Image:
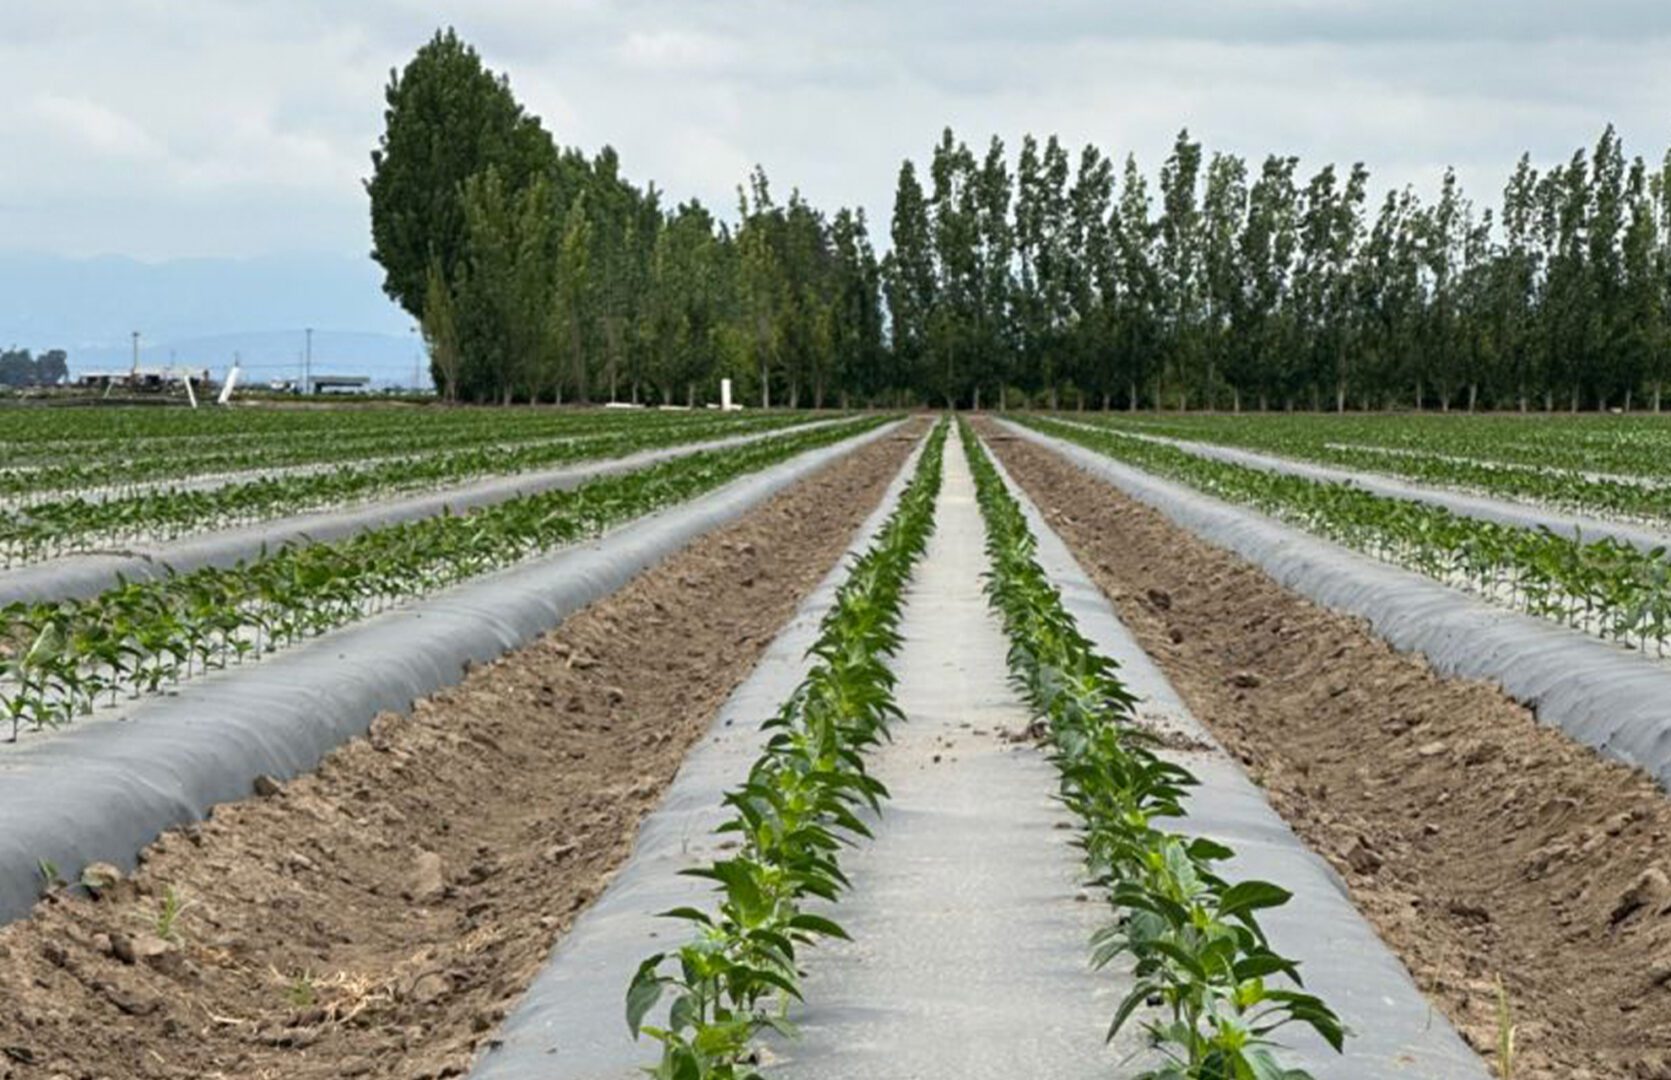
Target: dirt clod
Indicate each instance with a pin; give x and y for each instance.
(141, 949)
(428, 880)
(1363, 858)
(100, 877)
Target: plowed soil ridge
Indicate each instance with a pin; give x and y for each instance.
(1481, 845)
(377, 917)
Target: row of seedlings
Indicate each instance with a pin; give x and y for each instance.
(799, 806)
(1566, 487)
(1597, 447)
(50, 529)
(81, 449)
(126, 470)
(1604, 587)
(1208, 985)
(59, 659)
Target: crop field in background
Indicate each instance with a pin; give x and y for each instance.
(1604, 469)
(1607, 465)
(65, 657)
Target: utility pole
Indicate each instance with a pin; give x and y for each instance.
(134, 372)
(307, 365)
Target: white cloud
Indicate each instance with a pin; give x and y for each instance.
(243, 126)
(100, 130)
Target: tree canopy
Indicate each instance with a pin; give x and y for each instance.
(1046, 277)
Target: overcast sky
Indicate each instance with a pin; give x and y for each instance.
(168, 128)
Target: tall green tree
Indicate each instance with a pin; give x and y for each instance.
(1180, 264)
(447, 119)
(909, 278)
(512, 242)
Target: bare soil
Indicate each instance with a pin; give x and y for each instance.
(1481, 845)
(378, 917)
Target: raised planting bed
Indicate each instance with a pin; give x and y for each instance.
(1549, 512)
(1392, 1031)
(1555, 466)
(101, 790)
(82, 575)
(571, 1023)
(1617, 701)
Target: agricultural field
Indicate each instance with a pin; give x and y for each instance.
(1073, 610)
(1614, 467)
(1589, 572)
(158, 479)
(784, 745)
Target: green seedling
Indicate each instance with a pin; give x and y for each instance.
(789, 821)
(1209, 990)
(51, 880)
(301, 993)
(1506, 1030)
(168, 914)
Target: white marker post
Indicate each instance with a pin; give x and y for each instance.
(725, 395)
(231, 382)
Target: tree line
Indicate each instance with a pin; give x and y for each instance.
(20, 368)
(1226, 285)
(543, 274)
(539, 274)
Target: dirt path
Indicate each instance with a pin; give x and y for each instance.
(377, 917)
(1481, 845)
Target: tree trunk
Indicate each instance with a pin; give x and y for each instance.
(1106, 396)
(1003, 397)
(1235, 399)
(1521, 394)
(635, 391)
(1264, 402)
(1419, 395)
(1575, 399)
(977, 399)
(1315, 405)
(765, 386)
(1549, 401)
(1131, 399)
(1473, 396)
(1053, 401)
(1656, 396)
(1630, 396)
(1339, 397)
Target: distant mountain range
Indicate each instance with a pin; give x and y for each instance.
(203, 312)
